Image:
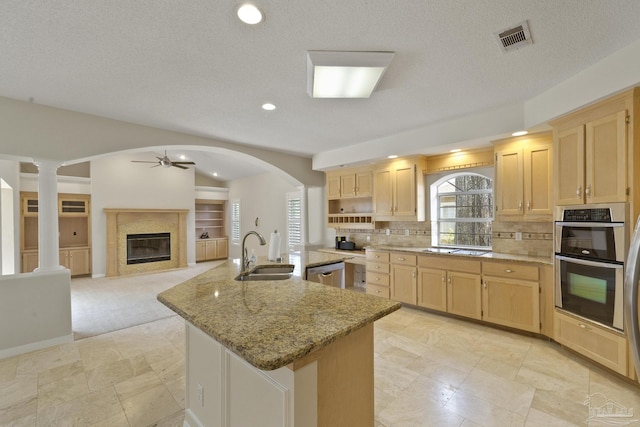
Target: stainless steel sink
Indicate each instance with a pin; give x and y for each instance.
(439, 250)
(267, 272)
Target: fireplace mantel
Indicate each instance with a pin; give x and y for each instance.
(121, 222)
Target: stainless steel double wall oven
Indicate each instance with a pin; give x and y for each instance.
(590, 249)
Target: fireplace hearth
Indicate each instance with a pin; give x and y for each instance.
(148, 247)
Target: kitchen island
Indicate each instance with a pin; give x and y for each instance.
(277, 353)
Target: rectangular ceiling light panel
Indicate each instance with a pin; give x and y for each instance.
(337, 74)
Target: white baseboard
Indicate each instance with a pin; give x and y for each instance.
(22, 349)
(190, 420)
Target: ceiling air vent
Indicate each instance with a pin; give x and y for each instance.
(514, 38)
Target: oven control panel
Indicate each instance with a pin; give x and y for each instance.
(587, 215)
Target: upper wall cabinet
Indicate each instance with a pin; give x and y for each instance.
(350, 183)
(398, 190)
(349, 198)
(523, 178)
(592, 149)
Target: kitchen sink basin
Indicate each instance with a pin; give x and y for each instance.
(267, 272)
(468, 252)
(439, 250)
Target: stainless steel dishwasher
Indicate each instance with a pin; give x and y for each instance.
(328, 274)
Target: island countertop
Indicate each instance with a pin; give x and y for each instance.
(271, 324)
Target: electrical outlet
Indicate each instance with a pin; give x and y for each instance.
(388, 232)
(200, 395)
(368, 238)
(406, 232)
(518, 235)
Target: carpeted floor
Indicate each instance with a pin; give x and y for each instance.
(105, 305)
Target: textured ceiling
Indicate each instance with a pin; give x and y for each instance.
(191, 66)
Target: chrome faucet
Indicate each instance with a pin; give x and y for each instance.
(245, 258)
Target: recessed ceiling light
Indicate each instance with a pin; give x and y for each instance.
(214, 173)
(520, 133)
(182, 157)
(250, 14)
(268, 106)
(392, 156)
(455, 150)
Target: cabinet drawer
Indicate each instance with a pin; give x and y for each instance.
(510, 270)
(378, 267)
(449, 262)
(380, 291)
(377, 279)
(603, 346)
(402, 259)
(377, 256)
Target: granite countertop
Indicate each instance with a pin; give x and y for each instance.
(271, 324)
(496, 256)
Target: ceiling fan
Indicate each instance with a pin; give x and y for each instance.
(165, 162)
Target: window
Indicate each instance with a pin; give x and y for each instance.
(235, 221)
(294, 220)
(462, 205)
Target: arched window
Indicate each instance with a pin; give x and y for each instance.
(462, 210)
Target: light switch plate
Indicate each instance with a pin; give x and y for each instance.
(518, 235)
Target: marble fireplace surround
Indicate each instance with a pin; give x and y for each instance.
(121, 222)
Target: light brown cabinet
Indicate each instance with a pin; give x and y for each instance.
(591, 156)
(403, 278)
(211, 240)
(74, 228)
(398, 190)
(602, 345)
(350, 183)
(211, 249)
(511, 295)
(523, 178)
(377, 273)
(349, 198)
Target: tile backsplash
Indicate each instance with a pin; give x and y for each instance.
(537, 237)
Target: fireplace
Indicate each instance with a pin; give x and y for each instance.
(148, 247)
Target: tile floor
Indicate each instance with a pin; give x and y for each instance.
(429, 371)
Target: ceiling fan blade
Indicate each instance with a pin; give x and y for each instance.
(142, 161)
(178, 166)
(183, 163)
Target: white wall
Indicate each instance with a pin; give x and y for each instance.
(264, 197)
(10, 174)
(116, 182)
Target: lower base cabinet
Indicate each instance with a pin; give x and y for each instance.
(597, 343)
(77, 260)
(464, 297)
(211, 249)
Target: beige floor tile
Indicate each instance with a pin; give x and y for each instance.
(480, 411)
(60, 372)
(116, 372)
(177, 388)
(87, 410)
(566, 405)
(62, 390)
(382, 399)
(23, 387)
(510, 395)
(173, 420)
(392, 378)
(168, 362)
(47, 358)
(436, 370)
(20, 414)
(97, 351)
(499, 368)
(146, 400)
(537, 418)
(8, 368)
(615, 389)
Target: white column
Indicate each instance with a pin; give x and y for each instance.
(48, 245)
(304, 215)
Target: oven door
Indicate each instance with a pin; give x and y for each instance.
(590, 289)
(594, 240)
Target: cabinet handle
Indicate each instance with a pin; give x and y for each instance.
(400, 259)
(587, 191)
(378, 291)
(520, 205)
(484, 285)
(377, 267)
(579, 192)
(583, 326)
(443, 279)
(414, 274)
(528, 205)
(449, 280)
(508, 270)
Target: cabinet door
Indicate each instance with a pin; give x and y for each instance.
(200, 251)
(509, 185)
(432, 288)
(64, 259)
(222, 248)
(403, 284)
(405, 191)
(511, 302)
(537, 180)
(383, 193)
(29, 261)
(464, 294)
(210, 249)
(569, 161)
(79, 261)
(606, 159)
(348, 185)
(333, 186)
(364, 184)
